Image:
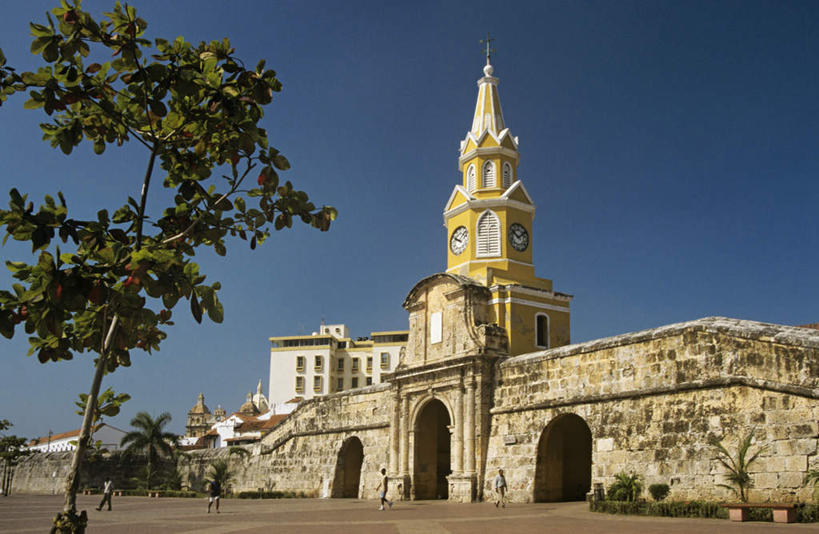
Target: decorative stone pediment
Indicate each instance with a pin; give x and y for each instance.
(449, 318)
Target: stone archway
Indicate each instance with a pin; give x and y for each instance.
(348, 469)
(432, 452)
(564, 455)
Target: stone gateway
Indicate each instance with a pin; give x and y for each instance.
(488, 381)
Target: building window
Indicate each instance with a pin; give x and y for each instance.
(435, 327)
(340, 384)
(542, 330)
(299, 384)
(470, 178)
(355, 365)
(507, 175)
(369, 381)
(317, 384)
(369, 363)
(354, 383)
(300, 364)
(489, 242)
(319, 364)
(340, 364)
(385, 360)
(488, 175)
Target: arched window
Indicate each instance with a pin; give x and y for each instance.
(488, 176)
(507, 175)
(542, 330)
(489, 243)
(470, 178)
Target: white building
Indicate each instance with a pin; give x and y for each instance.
(109, 436)
(328, 361)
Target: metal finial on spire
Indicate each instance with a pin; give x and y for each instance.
(487, 47)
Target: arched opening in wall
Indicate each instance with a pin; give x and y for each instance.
(432, 452)
(348, 469)
(564, 456)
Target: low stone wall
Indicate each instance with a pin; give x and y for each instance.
(45, 472)
(653, 399)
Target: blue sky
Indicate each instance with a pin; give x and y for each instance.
(670, 147)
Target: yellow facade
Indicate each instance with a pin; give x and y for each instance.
(489, 219)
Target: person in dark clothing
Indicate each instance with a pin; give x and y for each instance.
(214, 491)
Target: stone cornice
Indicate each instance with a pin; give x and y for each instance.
(753, 330)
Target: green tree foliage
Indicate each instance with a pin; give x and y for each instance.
(151, 439)
(625, 487)
(737, 465)
(220, 471)
(109, 283)
(109, 404)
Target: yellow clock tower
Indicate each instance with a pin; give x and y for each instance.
(489, 218)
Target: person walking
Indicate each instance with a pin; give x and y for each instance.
(214, 492)
(500, 489)
(383, 486)
(107, 492)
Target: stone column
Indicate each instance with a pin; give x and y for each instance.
(458, 437)
(404, 436)
(469, 424)
(396, 421)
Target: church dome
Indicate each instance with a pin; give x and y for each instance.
(199, 407)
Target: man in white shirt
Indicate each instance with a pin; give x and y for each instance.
(107, 492)
(500, 489)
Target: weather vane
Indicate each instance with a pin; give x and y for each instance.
(487, 47)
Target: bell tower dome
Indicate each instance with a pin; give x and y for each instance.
(489, 218)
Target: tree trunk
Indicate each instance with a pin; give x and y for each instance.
(72, 481)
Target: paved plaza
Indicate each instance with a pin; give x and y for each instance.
(33, 513)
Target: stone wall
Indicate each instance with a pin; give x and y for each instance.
(301, 454)
(45, 472)
(653, 399)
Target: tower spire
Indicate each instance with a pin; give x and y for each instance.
(487, 47)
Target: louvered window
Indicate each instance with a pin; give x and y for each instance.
(488, 176)
(489, 235)
(470, 178)
(507, 175)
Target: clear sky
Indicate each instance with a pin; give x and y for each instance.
(670, 147)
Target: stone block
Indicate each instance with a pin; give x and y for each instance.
(796, 463)
(791, 479)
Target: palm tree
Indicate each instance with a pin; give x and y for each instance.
(220, 471)
(738, 477)
(625, 487)
(150, 438)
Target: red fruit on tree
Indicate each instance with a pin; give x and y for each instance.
(23, 311)
(261, 179)
(96, 295)
(234, 158)
(70, 16)
(131, 280)
(59, 291)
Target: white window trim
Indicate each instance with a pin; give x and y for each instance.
(548, 330)
(471, 181)
(488, 213)
(484, 182)
(507, 177)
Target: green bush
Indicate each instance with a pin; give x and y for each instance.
(808, 513)
(625, 487)
(659, 491)
(271, 495)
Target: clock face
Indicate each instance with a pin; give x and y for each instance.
(518, 237)
(459, 240)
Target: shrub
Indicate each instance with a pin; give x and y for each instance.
(271, 495)
(625, 488)
(659, 491)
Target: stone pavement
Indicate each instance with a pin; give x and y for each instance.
(32, 513)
